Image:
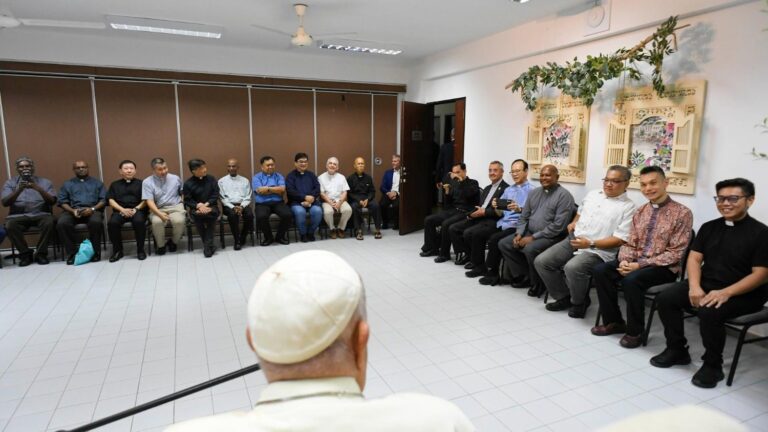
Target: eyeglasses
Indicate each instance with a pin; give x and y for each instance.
(612, 181)
(732, 199)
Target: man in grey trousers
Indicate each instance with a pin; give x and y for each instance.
(542, 224)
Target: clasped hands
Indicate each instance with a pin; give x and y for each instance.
(714, 298)
(203, 208)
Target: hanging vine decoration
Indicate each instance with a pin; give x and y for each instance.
(757, 154)
(582, 80)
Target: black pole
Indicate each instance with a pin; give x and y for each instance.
(165, 399)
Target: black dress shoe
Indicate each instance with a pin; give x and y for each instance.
(428, 253)
(207, 251)
(442, 259)
(475, 272)
(579, 310)
(671, 357)
(469, 266)
(708, 376)
(464, 260)
(42, 260)
(559, 305)
(141, 255)
(267, 242)
(160, 250)
(282, 241)
(171, 246)
(25, 260)
(304, 238)
(116, 256)
(489, 280)
(522, 283)
(311, 237)
(238, 246)
(96, 257)
(71, 259)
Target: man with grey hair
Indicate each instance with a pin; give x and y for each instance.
(333, 193)
(599, 228)
(163, 194)
(30, 199)
(315, 358)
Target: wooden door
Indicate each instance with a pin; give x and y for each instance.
(458, 146)
(416, 178)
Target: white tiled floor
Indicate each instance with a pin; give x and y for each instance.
(81, 343)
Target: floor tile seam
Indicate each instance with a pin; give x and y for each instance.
(63, 292)
(69, 379)
(202, 334)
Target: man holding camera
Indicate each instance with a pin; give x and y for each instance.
(30, 199)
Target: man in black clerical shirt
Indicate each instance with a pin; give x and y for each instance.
(462, 194)
(732, 281)
(362, 194)
(83, 199)
(201, 196)
(124, 196)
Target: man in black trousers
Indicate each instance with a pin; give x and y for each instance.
(83, 199)
(470, 236)
(462, 194)
(124, 196)
(201, 197)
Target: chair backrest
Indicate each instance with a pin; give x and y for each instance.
(684, 262)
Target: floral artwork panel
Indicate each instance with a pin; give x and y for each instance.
(557, 143)
(651, 143)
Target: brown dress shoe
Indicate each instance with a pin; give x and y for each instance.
(609, 329)
(340, 233)
(333, 234)
(359, 235)
(629, 341)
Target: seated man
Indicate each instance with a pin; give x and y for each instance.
(30, 199)
(516, 196)
(333, 192)
(390, 195)
(599, 228)
(316, 377)
(83, 199)
(201, 197)
(268, 190)
(304, 197)
(542, 224)
(462, 194)
(235, 194)
(470, 235)
(658, 238)
(732, 281)
(162, 193)
(362, 194)
(124, 196)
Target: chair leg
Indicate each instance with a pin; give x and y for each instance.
(597, 318)
(649, 322)
(736, 355)
(221, 234)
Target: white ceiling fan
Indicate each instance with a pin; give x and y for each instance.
(7, 20)
(300, 37)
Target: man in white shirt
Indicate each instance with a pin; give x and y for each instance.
(600, 227)
(333, 193)
(315, 358)
(235, 195)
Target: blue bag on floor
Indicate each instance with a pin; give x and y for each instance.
(85, 253)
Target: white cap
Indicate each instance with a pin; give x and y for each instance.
(301, 304)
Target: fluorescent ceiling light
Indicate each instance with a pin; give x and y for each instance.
(177, 28)
(352, 48)
(63, 23)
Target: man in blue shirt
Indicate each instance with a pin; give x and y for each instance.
(30, 199)
(303, 196)
(83, 199)
(268, 189)
(515, 197)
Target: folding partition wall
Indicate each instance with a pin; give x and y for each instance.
(58, 119)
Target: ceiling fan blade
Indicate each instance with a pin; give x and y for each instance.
(334, 34)
(271, 30)
(63, 24)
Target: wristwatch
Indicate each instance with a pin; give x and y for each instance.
(93, 209)
(592, 245)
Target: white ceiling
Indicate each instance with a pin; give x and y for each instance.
(418, 27)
